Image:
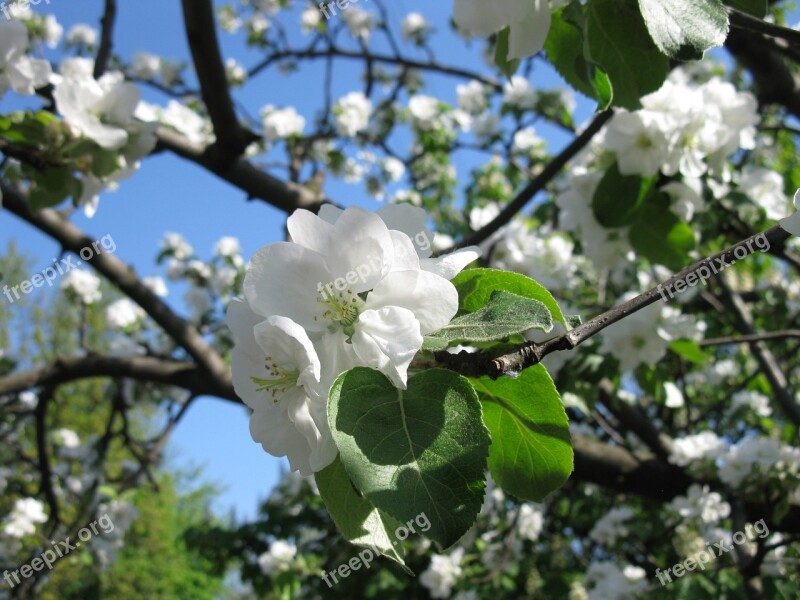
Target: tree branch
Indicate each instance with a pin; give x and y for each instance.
(201, 31)
(538, 183)
(749, 339)
(766, 360)
(124, 277)
(106, 38)
(140, 368)
(482, 363)
(256, 183)
(741, 20)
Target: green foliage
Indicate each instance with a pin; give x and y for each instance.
(531, 455)
(618, 41)
(476, 286)
(414, 451)
(619, 198)
(507, 67)
(565, 48)
(660, 236)
(685, 29)
(356, 518)
(756, 8)
(505, 314)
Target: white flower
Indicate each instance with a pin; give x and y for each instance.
(754, 401)
(23, 518)
(687, 196)
(329, 265)
(310, 19)
(702, 446)
(228, 247)
(352, 114)
(415, 28)
(393, 168)
(411, 221)
(442, 574)
(156, 285)
(123, 314)
(606, 581)
(530, 521)
(28, 399)
(66, 438)
(145, 65)
(278, 558)
(359, 22)
(635, 340)
(200, 302)
(82, 34)
(256, 24)
(425, 112)
(234, 72)
(280, 123)
(526, 140)
(641, 147)
(276, 372)
(529, 21)
(99, 109)
(674, 395)
(765, 188)
(180, 117)
(606, 248)
(519, 93)
(611, 526)
(170, 72)
(547, 258)
(52, 31)
(174, 244)
(83, 284)
(17, 70)
(472, 98)
(701, 503)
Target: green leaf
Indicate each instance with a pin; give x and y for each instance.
(618, 198)
(757, 8)
(685, 29)
(690, 350)
(52, 187)
(564, 48)
(660, 236)
(619, 42)
(417, 451)
(105, 162)
(357, 519)
(505, 314)
(531, 454)
(475, 288)
(507, 67)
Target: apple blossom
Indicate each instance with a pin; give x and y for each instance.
(529, 22)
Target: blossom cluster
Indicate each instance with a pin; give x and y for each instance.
(351, 288)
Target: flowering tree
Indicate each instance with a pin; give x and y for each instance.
(566, 373)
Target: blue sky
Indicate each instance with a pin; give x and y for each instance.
(169, 194)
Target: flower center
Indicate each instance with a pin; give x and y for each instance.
(280, 380)
(342, 308)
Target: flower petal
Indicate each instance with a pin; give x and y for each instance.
(387, 340)
(432, 299)
(450, 265)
